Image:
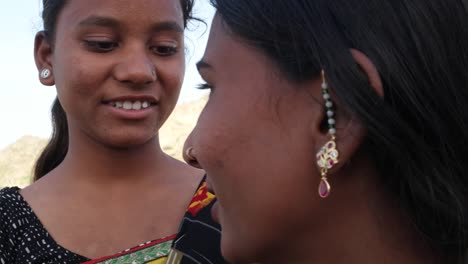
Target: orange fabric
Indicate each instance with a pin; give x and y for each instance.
(200, 200)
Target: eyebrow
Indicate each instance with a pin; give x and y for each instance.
(167, 26)
(113, 23)
(203, 65)
(99, 21)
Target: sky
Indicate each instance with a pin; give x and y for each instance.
(25, 103)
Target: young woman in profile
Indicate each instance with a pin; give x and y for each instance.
(105, 192)
(336, 131)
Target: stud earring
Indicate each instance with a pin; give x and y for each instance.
(45, 73)
(327, 156)
(189, 153)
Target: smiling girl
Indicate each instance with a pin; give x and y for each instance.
(103, 184)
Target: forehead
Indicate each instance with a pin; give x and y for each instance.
(219, 40)
(132, 12)
(228, 51)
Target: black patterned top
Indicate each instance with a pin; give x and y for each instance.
(24, 240)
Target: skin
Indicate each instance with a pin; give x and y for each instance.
(102, 51)
(257, 138)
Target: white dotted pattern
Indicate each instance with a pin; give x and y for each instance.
(23, 239)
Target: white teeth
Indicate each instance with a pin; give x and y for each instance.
(129, 105)
(136, 105)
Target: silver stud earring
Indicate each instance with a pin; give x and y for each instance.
(45, 73)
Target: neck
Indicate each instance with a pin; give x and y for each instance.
(359, 223)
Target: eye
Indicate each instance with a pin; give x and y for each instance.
(163, 50)
(101, 46)
(204, 86)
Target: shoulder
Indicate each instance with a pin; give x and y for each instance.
(8, 193)
(15, 213)
(10, 199)
(13, 208)
(187, 177)
(183, 169)
(10, 212)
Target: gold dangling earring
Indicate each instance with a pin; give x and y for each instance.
(327, 156)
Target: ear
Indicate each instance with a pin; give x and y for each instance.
(42, 57)
(350, 131)
(368, 67)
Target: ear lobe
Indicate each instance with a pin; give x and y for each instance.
(341, 127)
(370, 70)
(348, 140)
(350, 134)
(42, 58)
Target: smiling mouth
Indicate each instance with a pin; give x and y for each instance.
(131, 105)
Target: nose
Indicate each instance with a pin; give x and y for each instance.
(137, 68)
(190, 153)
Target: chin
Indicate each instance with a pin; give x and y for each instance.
(238, 250)
(128, 141)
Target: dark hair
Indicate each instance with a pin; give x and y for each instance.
(417, 134)
(57, 147)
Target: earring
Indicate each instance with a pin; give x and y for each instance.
(45, 73)
(327, 156)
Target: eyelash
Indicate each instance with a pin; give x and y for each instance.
(168, 50)
(108, 46)
(97, 46)
(204, 86)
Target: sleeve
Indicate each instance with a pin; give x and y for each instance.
(6, 247)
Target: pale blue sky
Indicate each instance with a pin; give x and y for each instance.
(25, 104)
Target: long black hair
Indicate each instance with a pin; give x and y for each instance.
(417, 134)
(57, 147)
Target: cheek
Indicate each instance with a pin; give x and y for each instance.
(219, 129)
(79, 74)
(171, 73)
(259, 173)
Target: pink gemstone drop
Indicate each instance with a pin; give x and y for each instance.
(324, 189)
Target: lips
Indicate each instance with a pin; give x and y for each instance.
(131, 105)
(209, 186)
(215, 208)
(131, 102)
(215, 212)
